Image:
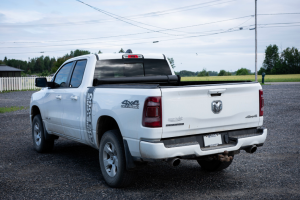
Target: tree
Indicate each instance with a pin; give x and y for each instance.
(213, 73)
(99, 51)
(121, 51)
(78, 52)
(39, 65)
(272, 60)
(242, 71)
(289, 62)
(5, 60)
(58, 63)
(47, 63)
(171, 60)
(72, 54)
(203, 73)
(261, 70)
(224, 73)
(52, 63)
(185, 73)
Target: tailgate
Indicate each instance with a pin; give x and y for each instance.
(188, 110)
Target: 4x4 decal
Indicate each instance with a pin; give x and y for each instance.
(130, 104)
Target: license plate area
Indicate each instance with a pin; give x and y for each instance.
(212, 140)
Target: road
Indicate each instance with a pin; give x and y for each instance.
(72, 169)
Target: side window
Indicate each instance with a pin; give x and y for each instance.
(78, 73)
(61, 77)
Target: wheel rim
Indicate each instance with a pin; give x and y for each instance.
(110, 159)
(37, 134)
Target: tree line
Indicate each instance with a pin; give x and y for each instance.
(185, 73)
(285, 62)
(43, 65)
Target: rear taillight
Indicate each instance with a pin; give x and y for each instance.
(152, 116)
(261, 103)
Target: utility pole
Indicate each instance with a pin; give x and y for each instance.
(255, 40)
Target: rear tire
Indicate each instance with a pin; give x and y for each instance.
(113, 161)
(40, 144)
(214, 165)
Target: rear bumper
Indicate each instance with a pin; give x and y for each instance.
(159, 151)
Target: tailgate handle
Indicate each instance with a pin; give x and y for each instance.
(216, 92)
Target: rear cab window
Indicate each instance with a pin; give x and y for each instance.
(114, 68)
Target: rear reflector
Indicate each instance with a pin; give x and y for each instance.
(152, 116)
(132, 56)
(261, 103)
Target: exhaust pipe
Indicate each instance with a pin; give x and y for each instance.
(174, 162)
(251, 149)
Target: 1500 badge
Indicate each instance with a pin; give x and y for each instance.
(130, 104)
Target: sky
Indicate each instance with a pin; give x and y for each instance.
(197, 34)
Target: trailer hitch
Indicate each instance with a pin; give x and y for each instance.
(224, 157)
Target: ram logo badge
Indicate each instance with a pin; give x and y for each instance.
(130, 104)
(216, 106)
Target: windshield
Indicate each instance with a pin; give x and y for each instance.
(114, 68)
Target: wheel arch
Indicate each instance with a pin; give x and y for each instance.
(105, 123)
(35, 110)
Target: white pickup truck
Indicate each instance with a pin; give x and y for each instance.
(134, 109)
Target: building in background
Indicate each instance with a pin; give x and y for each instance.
(7, 71)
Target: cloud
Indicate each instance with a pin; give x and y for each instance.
(39, 3)
(20, 16)
(2, 17)
(229, 51)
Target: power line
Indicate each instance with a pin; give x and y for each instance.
(137, 42)
(150, 31)
(151, 14)
(281, 14)
(194, 6)
(103, 21)
(202, 24)
(118, 17)
(226, 31)
(277, 26)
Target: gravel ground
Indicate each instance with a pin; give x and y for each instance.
(20, 98)
(72, 169)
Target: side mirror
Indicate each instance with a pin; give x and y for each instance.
(42, 82)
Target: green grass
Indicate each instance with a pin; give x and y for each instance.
(11, 109)
(268, 78)
(8, 91)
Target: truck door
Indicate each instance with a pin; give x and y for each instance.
(55, 99)
(73, 104)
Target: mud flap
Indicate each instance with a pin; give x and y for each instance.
(129, 160)
(48, 136)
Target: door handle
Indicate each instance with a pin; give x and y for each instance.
(58, 97)
(74, 97)
(216, 91)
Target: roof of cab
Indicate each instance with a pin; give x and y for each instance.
(104, 56)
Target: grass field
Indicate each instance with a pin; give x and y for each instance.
(268, 78)
(11, 109)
